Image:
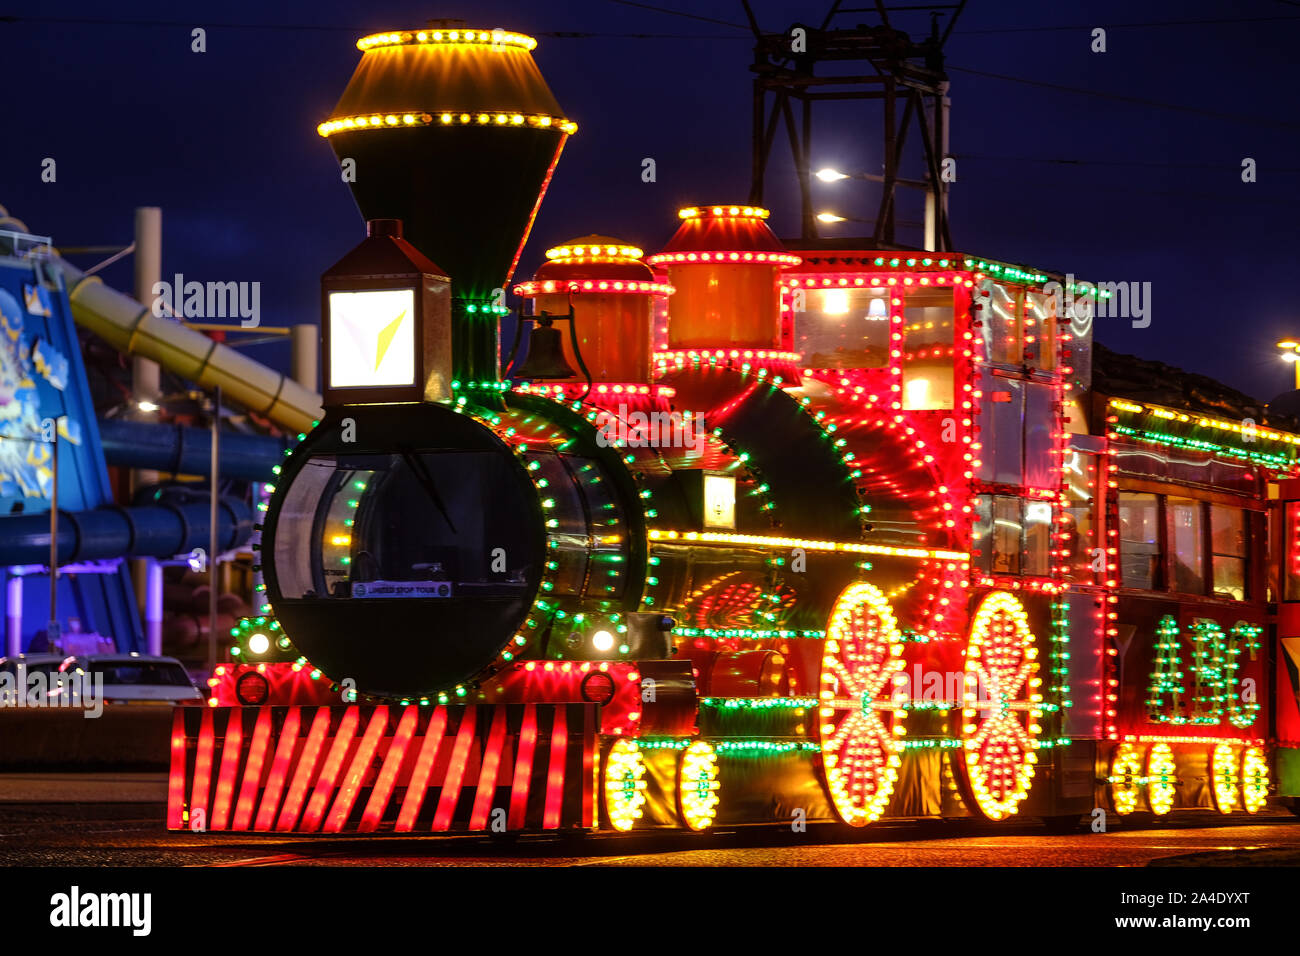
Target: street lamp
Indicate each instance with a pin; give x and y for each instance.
(1291, 353)
(829, 174)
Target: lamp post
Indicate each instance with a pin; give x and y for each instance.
(1290, 350)
(214, 579)
(831, 175)
(52, 628)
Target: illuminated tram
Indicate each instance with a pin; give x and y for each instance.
(813, 535)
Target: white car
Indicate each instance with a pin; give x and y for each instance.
(137, 678)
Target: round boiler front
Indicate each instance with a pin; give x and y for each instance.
(733, 304)
(404, 547)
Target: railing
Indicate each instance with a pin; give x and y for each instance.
(24, 245)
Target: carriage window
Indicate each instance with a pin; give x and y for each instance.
(928, 350)
(1139, 539)
(1001, 324)
(844, 327)
(1013, 536)
(1081, 484)
(1291, 553)
(1038, 536)
(1040, 330)
(1186, 545)
(1228, 550)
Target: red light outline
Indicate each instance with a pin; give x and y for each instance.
(455, 776)
(418, 786)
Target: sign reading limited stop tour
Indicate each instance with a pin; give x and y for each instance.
(401, 589)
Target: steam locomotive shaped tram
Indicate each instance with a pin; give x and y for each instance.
(751, 534)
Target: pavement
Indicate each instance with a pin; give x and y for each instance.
(117, 820)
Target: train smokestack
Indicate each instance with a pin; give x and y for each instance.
(455, 132)
(725, 264)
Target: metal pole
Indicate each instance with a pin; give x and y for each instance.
(153, 606)
(943, 228)
(213, 579)
(52, 628)
(14, 614)
(305, 340)
(146, 376)
(930, 221)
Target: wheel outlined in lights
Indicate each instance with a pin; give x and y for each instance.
(1225, 777)
(1162, 781)
(1254, 779)
(697, 786)
(1002, 707)
(859, 722)
(623, 784)
(1125, 780)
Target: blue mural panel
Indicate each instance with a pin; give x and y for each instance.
(43, 382)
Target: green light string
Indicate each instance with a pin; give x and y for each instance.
(1198, 444)
(1166, 675)
(758, 703)
(1010, 273)
(747, 633)
(1209, 682)
(848, 458)
(735, 746)
(1243, 637)
(1059, 657)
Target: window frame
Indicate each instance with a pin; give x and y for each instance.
(1163, 577)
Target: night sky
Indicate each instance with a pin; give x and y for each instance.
(1150, 190)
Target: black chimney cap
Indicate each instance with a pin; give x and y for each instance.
(382, 253)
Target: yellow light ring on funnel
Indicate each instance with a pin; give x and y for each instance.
(859, 724)
(624, 784)
(411, 118)
(1226, 778)
(697, 785)
(719, 212)
(1000, 732)
(460, 37)
(594, 253)
(1125, 778)
(724, 257)
(1162, 782)
(1254, 779)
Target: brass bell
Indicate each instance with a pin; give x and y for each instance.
(545, 358)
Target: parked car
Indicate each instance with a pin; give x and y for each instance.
(18, 668)
(137, 678)
(22, 664)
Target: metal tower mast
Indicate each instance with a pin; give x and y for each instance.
(906, 75)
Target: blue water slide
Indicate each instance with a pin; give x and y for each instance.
(160, 530)
(179, 450)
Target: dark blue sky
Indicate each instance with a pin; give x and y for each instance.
(225, 142)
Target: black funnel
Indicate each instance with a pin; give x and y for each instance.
(454, 132)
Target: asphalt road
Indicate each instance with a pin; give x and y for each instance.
(95, 820)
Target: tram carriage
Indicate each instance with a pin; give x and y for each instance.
(815, 535)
